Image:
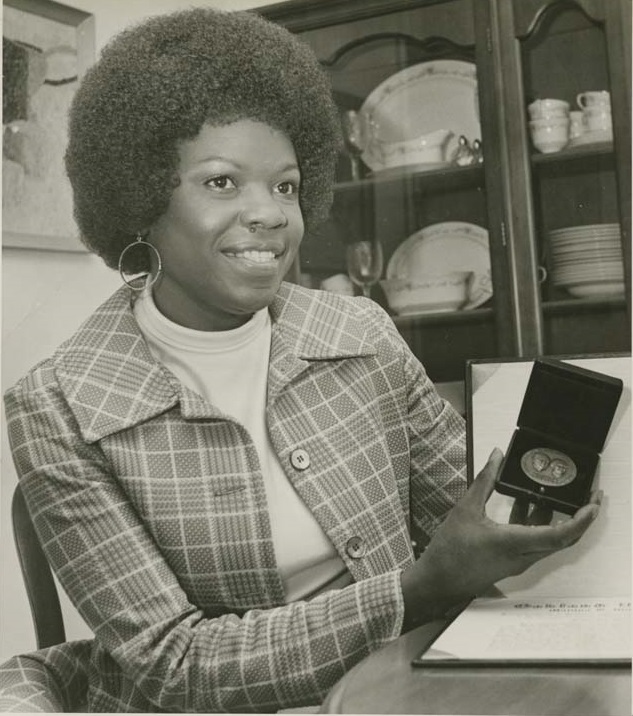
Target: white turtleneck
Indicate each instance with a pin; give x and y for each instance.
(229, 369)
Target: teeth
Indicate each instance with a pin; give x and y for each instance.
(256, 256)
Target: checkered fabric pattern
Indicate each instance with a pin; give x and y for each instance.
(151, 506)
(48, 680)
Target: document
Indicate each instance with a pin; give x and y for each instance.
(573, 606)
(502, 630)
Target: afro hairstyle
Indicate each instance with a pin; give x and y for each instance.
(156, 84)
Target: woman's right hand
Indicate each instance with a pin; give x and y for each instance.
(470, 552)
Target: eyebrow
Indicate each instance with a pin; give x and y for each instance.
(216, 158)
(289, 167)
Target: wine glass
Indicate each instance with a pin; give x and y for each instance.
(364, 263)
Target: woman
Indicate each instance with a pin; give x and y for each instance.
(229, 473)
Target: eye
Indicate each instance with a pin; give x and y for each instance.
(287, 188)
(220, 183)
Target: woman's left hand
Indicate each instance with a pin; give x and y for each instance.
(470, 552)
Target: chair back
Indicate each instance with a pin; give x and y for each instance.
(38, 578)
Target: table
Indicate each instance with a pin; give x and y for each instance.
(386, 683)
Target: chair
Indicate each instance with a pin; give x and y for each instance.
(55, 677)
(38, 578)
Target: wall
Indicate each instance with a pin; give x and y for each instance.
(45, 295)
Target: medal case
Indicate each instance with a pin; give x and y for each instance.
(561, 429)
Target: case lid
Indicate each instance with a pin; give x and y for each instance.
(572, 403)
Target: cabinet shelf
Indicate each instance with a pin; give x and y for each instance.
(442, 178)
(582, 305)
(477, 315)
(575, 154)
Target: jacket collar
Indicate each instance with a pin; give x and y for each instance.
(112, 382)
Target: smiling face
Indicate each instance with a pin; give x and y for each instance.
(232, 228)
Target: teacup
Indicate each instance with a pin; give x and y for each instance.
(592, 99)
(546, 108)
(550, 135)
(597, 119)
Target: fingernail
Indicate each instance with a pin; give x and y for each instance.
(495, 454)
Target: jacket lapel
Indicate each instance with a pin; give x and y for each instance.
(307, 330)
(108, 375)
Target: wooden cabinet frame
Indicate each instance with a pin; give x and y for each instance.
(519, 313)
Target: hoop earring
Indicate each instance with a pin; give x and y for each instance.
(139, 242)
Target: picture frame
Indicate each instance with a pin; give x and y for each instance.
(47, 47)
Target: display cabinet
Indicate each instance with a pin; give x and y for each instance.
(490, 247)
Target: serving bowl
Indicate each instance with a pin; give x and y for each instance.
(427, 294)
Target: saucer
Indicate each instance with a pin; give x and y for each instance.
(599, 135)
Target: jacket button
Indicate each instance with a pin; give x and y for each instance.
(356, 547)
(300, 459)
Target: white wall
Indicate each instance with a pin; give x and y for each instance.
(45, 295)
(112, 15)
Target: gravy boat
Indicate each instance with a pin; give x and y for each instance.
(425, 149)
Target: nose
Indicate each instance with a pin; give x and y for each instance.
(261, 210)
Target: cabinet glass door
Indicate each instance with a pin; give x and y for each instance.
(411, 184)
(569, 99)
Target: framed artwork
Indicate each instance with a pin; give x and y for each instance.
(46, 48)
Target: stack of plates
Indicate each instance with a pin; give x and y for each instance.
(587, 260)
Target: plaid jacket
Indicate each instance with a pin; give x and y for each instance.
(151, 507)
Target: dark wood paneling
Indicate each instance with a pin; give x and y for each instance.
(590, 329)
(302, 15)
(531, 14)
(444, 345)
